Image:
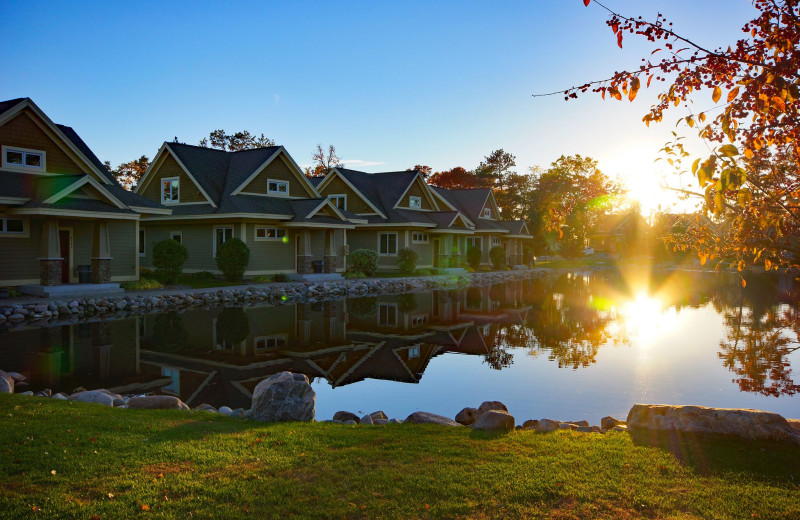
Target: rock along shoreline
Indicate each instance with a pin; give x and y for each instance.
(45, 313)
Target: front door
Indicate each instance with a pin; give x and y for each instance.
(64, 244)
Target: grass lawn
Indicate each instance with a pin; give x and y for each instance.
(64, 460)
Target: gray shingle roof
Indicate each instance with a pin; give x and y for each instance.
(11, 103)
(469, 201)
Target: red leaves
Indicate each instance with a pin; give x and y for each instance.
(586, 2)
(619, 39)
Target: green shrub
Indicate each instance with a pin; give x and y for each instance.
(142, 284)
(232, 259)
(427, 271)
(264, 278)
(407, 302)
(280, 277)
(363, 307)
(353, 275)
(407, 260)
(474, 255)
(202, 275)
(232, 326)
(146, 273)
(498, 257)
(364, 261)
(168, 259)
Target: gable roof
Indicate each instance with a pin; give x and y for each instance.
(469, 201)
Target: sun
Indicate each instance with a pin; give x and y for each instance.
(645, 318)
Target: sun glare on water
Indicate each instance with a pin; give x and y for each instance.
(645, 319)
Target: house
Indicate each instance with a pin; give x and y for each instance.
(611, 231)
(61, 210)
(260, 196)
(400, 210)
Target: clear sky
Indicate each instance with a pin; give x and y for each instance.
(391, 85)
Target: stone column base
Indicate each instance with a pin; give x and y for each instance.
(101, 270)
(304, 264)
(50, 271)
(330, 263)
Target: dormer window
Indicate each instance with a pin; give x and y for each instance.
(277, 187)
(487, 213)
(340, 201)
(170, 190)
(414, 202)
(23, 159)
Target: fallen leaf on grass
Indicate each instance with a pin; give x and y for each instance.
(145, 507)
(52, 472)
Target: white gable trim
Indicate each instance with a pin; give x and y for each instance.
(145, 180)
(158, 159)
(80, 182)
(292, 166)
(328, 203)
(336, 172)
(441, 198)
(490, 198)
(425, 190)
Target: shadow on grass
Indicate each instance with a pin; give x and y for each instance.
(715, 454)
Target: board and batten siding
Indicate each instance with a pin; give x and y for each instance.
(416, 190)
(169, 167)
(198, 239)
(277, 170)
(368, 239)
(19, 256)
(354, 204)
(270, 256)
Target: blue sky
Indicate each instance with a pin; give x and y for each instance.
(389, 84)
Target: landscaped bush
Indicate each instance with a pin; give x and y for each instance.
(362, 307)
(168, 259)
(407, 302)
(498, 257)
(364, 261)
(202, 275)
(146, 273)
(232, 259)
(407, 260)
(264, 278)
(232, 326)
(142, 284)
(353, 275)
(474, 255)
(427, 271)
(280, 277)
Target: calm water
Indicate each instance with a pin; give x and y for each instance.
(568, 347)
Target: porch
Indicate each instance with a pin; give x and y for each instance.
(320, 254)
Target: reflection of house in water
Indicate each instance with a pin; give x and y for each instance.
(219, 355)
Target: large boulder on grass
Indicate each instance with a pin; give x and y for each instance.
(343, 416)
(93, 396)
(494, 421)
(429, 418)
(744, 423)
(491, 405)
(6, 383)
(283, 397)
(467, 416)
(157, 402)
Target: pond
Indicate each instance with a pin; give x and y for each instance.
(564, 346)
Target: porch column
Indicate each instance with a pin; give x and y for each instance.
(101, 253)
(304, 252)
(330, 259)
(50, 259)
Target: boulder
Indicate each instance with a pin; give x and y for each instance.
(568, 426)
(609, 422)
(6, 383)
(378, 415)
(157, 402)
(542, 425)
(342, 416)
(17, 377)
(588, 429)
(92, 396)
(283, 397)
(744, 423)
(46, 392)
(60, 396)
(576, 423)
(429, 418)
(367, 419)
(619, 428)
(205, 407)
(380, 422)
(225, 410)
(494, 421)
(794, 423)
(491, 405)
(467, 416)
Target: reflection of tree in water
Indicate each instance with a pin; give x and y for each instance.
(760, 338)
(363, 307)
(169, 334)
(232, 326)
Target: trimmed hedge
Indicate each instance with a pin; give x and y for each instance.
(407, 260)
(232, 259)
(498, 257)
(168, 258)
(363, 261)
(474, 255)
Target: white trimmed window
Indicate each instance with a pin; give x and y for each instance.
(277, 187)
(495, 241)
(387, 314)
(419, 319)
(12, 226)
(177, 236)
(265, 343)
(419, 238)
(170, 190)
(221, 235)
(414, 202)
(24, 159)
(340, 201)
(270, 233)
(413, 352)
(142, 247)
(387, 244)
(487, 213)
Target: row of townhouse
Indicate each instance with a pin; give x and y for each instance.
(60, 208)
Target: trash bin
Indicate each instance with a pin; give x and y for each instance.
(84, 274)
(318, 266)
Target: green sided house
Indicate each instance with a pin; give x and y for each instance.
(63, 216)
(259, 196)
(401, 210)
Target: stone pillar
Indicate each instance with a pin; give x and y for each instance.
(304, 252)
(101, 253)
(50, 259)
(330, 260)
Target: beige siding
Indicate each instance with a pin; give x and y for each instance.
(355, 204)
(416, 190)
(424, 251)
(123, 243)
(271, 255)
(23, 132)
(279, 170)
(198, 239)
(18, 256)
(169, 167)
(368, 239)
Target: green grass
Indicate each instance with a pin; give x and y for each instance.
(140, 464)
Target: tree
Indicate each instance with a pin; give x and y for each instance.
(323, 163)
(243, 140)
(130, 173)
(758, 124)
(455, 179)
(424, 170)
